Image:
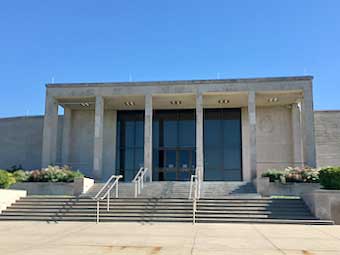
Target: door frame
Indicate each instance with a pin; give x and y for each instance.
(177, 169)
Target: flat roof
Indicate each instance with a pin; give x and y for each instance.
(181, 82)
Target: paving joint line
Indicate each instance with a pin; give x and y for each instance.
(266, 238)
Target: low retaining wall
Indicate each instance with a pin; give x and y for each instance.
(8, 197)
(82, 185)
(324, 204)
(78, 187)
(267, 188)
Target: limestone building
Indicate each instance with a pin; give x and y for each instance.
(231, 129)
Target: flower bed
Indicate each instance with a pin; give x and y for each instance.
(50, 174)
(298, 181)
(53, 180)
(293, 174)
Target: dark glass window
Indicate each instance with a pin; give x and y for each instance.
(174, 141)
(130, 143)
(222, 145)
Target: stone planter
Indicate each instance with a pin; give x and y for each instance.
(267, 188)
(324, 204)
(79, 186)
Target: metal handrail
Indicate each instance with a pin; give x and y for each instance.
(137, 174)
(98, 197)
(139, 180)
(196, 193)
(195, 180)
(194, 210)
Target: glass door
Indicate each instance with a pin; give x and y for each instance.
(186, 164)
(174, 142)
(130, 143)
(176, 164)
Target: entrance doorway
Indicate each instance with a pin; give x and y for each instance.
(130, 143)
(174, 140)
(176, 164)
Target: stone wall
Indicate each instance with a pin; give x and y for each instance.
(79, 186)
(327, 134)
(324, 204)
(274, 141)
(81, 145)
(21, 141)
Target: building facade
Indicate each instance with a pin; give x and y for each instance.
(231, 130)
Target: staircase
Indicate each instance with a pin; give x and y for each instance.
(210, 210)
(173, 189)
(150, 190)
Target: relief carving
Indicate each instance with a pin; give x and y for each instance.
(266, 124)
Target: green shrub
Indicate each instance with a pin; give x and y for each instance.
(330, 177)
(21, 175)
(6, 179)
(273, 174)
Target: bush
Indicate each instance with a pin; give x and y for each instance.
(330, 177)
(49, 174)
(304, 174)
(293, 174)
(53, 174)
(6, 179)
(21, 175)
(273, 175)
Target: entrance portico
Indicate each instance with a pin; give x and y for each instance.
(261, 123)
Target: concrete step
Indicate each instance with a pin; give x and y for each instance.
(159, 206)
(146, 213)
(181, 189)
(218, 210)
(188, 219)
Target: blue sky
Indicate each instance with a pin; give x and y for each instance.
(87, 41)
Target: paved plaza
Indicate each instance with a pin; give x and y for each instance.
(134, 238)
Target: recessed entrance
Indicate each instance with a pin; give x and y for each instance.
(130, 143)
(174, 140)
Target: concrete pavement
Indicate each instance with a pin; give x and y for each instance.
(132, 238)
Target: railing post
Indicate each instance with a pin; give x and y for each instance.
(117, 188)
(108, 202)
(136, 189)
(194, 211)
(97, 211)
(197, 181)
(138, 185)
(199, 189)
(190, 186)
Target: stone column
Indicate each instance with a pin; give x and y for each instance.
(308, 138)
(199, 135)
(296, 135)
(65, 151)
(252, 133)
(98, 138)
(148, 135)
(49, 146)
